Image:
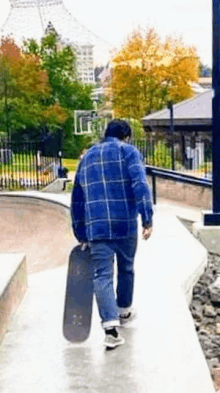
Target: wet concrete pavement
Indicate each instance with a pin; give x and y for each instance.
(161, 353)
(36, 358)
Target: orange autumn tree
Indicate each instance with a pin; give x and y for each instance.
(147, 73)
(24, 90)
(55, 115)
(181, 70)
(8, 52)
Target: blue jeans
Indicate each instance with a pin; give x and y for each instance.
(102, 253)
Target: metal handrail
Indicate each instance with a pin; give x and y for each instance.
(175, 176)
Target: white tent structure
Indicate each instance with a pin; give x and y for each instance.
(33, 18)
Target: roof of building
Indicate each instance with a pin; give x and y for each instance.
(205, 80)
(194, 111)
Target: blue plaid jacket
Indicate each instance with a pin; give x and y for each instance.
(110, 190)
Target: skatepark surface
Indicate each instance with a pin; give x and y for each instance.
(161, 353)
(39, 230)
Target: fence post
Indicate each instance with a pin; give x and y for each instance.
(38, 167)
(153, 152)
(170, 107)
(154, 189)
(213, 218)
(60, 148)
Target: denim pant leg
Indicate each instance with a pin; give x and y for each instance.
(102, 253)
(126, 249)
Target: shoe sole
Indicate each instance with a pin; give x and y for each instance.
(113, 345)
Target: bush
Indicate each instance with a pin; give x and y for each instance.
(73, 147)
(206, 166)
(161, 156)
(137, 129)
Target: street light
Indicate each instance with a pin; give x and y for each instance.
(170, 107)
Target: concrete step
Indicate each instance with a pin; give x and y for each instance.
(13, 284)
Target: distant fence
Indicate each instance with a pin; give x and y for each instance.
(185, 153)
(23, 166)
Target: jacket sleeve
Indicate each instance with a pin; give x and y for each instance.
(78, 210)
(141, 189)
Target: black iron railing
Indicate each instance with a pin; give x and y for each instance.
(185, 153)
(174, 176)
(23, 166)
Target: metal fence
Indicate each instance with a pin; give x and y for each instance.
(184, 153)
(24, 167)
(29, 165)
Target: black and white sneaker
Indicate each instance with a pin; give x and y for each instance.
(113, 338)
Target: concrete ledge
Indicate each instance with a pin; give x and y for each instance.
(184, 193)
(169, 265)
(186, 257)
(57, 186)
(13, 284)
(208, 235)
(36, 198)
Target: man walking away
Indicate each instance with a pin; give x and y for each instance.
(110, 190)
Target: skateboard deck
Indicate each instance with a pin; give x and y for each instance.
(79, 296)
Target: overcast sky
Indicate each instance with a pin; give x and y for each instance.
(113, 20)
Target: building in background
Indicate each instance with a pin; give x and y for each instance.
(35, 18)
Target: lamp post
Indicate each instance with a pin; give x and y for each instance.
(170, 107)
(213, 218)
(60, 148)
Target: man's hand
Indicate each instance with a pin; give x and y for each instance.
(146, 233)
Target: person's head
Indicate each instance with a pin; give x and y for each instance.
(119, 129)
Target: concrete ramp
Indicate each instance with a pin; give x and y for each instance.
(36, 227)
(162, 353)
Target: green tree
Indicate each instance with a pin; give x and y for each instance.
(66, 91)
(60, 63)
(137, 129)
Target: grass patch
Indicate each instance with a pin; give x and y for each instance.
(70, 163)
(25, 166)
(69, 187)
(206, 166)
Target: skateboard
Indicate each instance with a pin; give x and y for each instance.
(79, 296)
